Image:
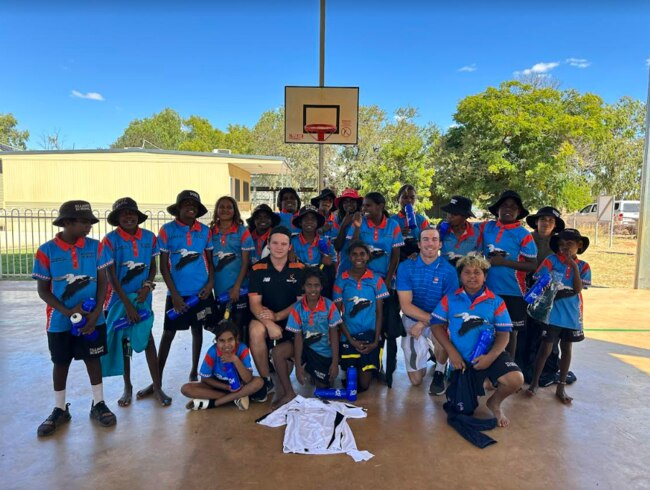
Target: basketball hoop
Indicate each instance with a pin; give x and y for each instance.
(320, 132)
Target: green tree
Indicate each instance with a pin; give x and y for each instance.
(162, 130)
(200, 135)
(11, 136)
(520, 137)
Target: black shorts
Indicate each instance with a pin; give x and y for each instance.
(517, 310)
(200, 315)
(350, 357)
(64, 346)
(286, 336)
(551, 332)
(503, 364)
(316, 365)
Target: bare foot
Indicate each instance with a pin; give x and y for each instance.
(193, 377)
(127, 396)
(148, 391)
(562, 396)
(531, 391)
(495, 408)
(164, 399)
(282, 401)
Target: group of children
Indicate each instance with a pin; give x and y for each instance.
(308, 286)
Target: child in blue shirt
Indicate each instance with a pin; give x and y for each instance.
(260, 224)
(214, 388)
(314, 319)
(408, 195)
(459, 237)
(359, 295)
(186, 267)
(133, 251)
(512, 254)
(348, 206)
(232, 246)
(458, 321)
(566, 322)
(288, 203)
(70, 270)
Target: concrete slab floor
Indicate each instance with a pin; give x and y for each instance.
(599, 442)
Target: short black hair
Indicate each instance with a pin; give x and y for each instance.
(314, 272)
(358, 244)
(226, 326)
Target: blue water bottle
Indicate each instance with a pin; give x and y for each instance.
(483, 345)
(536, 290)
(193, 300)
(324, 246)
(79, 321)
(233, 377)
(352, 384)
(330, 393)
(225, 296)
(443, 229)
(411, 221)
(124, 321)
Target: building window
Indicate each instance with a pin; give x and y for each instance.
(247, 195)
(237, 191)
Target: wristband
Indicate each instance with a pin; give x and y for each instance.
(150, 284)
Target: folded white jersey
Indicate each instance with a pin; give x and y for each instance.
(317, 426)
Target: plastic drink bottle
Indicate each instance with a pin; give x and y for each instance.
(124, 321)
(323, 246)
(536, 290)
(443, 229)
(79, 321)
(225, 296)
(352, 384)
(483, 345)
(330, 393)
(233, 377)
(193, 300)
(411, 222)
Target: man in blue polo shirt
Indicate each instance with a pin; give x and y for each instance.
(421, 284)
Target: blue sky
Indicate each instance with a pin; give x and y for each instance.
(229, 62)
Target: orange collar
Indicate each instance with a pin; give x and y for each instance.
(216, 230)
(366, 275)
(196, 226)
(127, 236)
(487, 294)
(303, 240)
(371, 223)
(80, 243)
(319, 307)
(565, 260)
(508, 226)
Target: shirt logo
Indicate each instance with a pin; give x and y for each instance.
(266, 279)
(187, 257)
(134, 270)
(292, 279)
(75, 284)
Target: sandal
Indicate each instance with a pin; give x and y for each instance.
(57, 417)
(102, 414)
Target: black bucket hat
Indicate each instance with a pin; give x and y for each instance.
(494, 208)
(121, 205)
(547, 211)
(75, 210)
(569, 234)
(284, 191)
(297, 220)
(315, 201)
(263, 208)
(459, 205)
(184, 195)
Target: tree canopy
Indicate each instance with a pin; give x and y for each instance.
(10, 135)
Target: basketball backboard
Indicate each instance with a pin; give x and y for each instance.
(321, 115)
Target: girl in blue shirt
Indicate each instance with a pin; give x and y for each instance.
(407, 195)
(348, 205)
(233, 245)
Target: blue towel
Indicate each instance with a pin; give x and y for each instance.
(113, 361)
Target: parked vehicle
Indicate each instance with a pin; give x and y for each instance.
(625, 212)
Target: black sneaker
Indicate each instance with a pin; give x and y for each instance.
(547, 379)
(102, 414)
(270, 387)
(261, 395)
(437, 386)
(57, 417)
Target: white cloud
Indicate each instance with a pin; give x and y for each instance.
(538, 68)
(89, 95)
(647, 62)
(468, 68)
(578, 62)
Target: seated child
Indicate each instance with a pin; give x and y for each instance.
(461, 317)
(214, 389)
(565, 321)
(359, 294)
(314, 320)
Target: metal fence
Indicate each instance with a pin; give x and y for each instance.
(23, 230)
